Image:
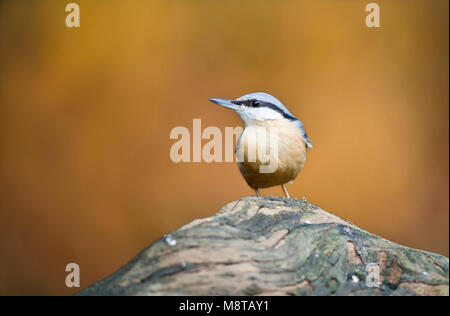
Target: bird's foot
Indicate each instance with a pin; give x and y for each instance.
(286, 193)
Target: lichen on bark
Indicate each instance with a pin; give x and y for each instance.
(275, 246)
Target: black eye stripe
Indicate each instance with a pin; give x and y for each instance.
(265, 105)
(249, 103)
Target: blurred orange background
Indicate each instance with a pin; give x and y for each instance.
(86, 113)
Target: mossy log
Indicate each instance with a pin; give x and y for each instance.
(275, 246)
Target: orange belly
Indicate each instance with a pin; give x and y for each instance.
(289, 157)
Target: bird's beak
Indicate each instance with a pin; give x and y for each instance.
(225, 103)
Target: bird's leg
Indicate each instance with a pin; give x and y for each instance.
(257, 192)
(286, 193)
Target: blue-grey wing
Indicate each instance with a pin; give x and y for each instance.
(305, 136)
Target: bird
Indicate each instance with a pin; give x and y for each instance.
(261, 111)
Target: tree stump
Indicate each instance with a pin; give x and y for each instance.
(276, 246)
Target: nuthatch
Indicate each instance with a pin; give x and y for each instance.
(264, 111)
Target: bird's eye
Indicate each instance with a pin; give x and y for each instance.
(255, 103)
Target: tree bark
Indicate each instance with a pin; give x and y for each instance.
(276, 246)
